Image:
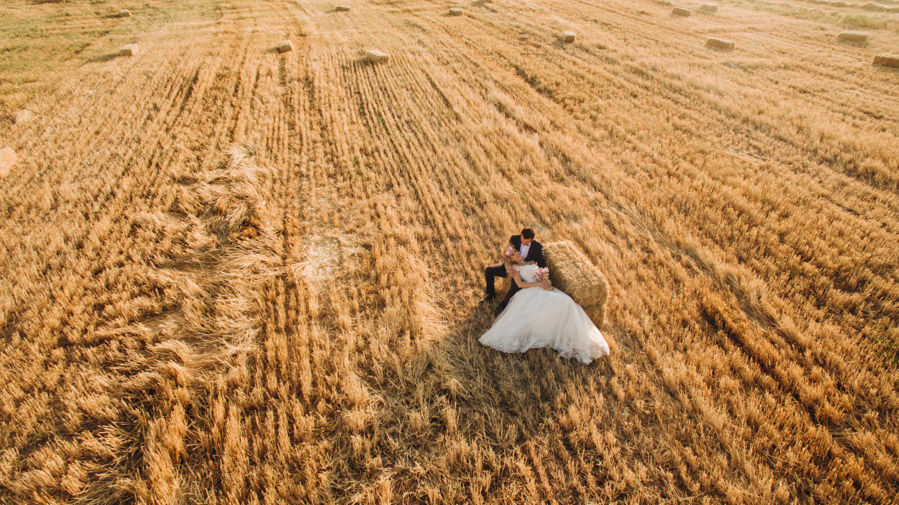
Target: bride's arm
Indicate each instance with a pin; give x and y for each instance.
(520, 283)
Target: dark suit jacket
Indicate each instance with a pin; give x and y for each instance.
(535, 253)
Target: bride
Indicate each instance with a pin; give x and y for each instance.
(543, 316)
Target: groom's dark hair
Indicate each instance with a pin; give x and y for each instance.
(527, 233)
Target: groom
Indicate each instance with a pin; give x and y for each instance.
(531, 252)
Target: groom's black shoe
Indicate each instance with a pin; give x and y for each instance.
(488, 297)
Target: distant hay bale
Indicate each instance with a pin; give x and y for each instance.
(871, 6)
(342, 8)
(455, 12)
(568, 36)
(853, 37)
(124, 13)
(24, 116)
(572, 272)
(285, 46)
(720, 44)
(8, 158)
(708, 8)
(129, 50)
(678, 11)
(373, 56)
(887, 60)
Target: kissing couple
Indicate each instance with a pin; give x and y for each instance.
(533, 313)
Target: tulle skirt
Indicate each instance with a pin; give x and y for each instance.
(536, 318)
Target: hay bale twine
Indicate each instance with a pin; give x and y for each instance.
(8, 158)
(342, 8)
(853, 37)
(568, 36)
(129, 50)
(455, 12)
(24, 116)
(285, 46)
(887, 60)
(679, 11)
(124, 13)
(374, 56)
(708, 8)
(572, 272)
(714, 43)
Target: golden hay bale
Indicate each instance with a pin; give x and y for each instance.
(342, 8)
(887, 60)
(678, 11)
(708, 8)
(285, 46)
(572, 272)
(720, 44)
(374, 56)
(124, 13)
(455, 12)
(8, 158)
(568, 36)
(871, 6)
(129, 50)
(853, 37)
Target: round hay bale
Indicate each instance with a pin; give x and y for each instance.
(124, 13)
(285, 46)
(853, 37)
(374, 56)
(887, 60)
(572, 272)
(714, 43)
(568, 36)
(679, 11)
(708, 8)
(342, 8)
(8, 158)
(129, 50)
(455, 12)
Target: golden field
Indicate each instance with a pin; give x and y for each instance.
(232, 275)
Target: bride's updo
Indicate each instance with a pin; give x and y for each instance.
(509, 258)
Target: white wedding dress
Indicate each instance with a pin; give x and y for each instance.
(536, 317)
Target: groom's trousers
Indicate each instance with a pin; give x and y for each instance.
(490, 273)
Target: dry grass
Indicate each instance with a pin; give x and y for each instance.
(230, 275)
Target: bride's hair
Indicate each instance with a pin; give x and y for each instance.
(508, 260)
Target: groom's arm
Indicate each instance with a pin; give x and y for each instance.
(541, 259)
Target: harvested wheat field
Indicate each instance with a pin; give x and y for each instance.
(236, 275)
